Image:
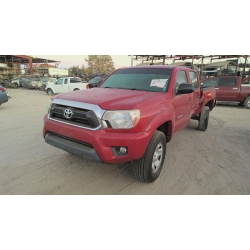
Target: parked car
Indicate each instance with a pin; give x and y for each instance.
(4, 97)
(130, 116)
(221, 68)
(45, 81)
(66, 84)
(34, 83)
(229, 88)
(19, 81)
(94, 82)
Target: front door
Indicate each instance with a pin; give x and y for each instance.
(58, 88)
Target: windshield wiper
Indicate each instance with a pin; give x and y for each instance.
(140, 89)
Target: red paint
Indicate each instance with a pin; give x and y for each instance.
(237, 93)
(156, 109)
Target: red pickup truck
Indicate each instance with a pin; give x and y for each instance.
(130, 116)
(229, 88)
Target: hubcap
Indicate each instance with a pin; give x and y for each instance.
(157, 158)
(248, 103)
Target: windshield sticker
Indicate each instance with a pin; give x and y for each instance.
(159, 83)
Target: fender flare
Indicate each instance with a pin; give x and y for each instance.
(161, 118)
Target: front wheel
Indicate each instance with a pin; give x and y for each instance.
(247, 102)
(148, 168)
(50, 92)
(43, 87)
(203, 119)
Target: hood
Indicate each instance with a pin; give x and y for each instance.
(109, 99)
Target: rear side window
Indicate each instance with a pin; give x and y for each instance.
(194, 79)
(227, 82)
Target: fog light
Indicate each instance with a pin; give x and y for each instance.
(122, 150)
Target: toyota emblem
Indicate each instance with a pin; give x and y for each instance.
(68, 113)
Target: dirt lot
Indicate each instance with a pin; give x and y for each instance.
(213, 162)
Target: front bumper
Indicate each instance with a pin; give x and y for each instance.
(102, 142)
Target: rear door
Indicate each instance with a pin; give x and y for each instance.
(182, 103)
(196, 95)
(228, 89)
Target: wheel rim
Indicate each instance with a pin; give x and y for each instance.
(50, 92)
(157, 158)
(248, 102)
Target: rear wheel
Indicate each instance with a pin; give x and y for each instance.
(247, 102)
(50, 92)
(203, 119)
(76, 89)
(148, 168)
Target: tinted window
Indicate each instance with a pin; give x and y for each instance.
(227, 82)
(211, 82)
(149, 79)
(75, 80)
(65, 80)
(180, 78)
(194, 79)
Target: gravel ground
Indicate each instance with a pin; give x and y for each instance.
(213, 162)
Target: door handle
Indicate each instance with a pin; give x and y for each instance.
(235, 88)
(216, 88)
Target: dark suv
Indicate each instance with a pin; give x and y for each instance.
(94, 82)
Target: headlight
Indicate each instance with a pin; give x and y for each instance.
(49, 104)
(122, 119)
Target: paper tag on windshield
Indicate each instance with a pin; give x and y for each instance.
(159, 83)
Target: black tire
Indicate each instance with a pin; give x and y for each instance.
(203, 119)
(247, 102)
(50, 92)
(144, 169)
(43, 87)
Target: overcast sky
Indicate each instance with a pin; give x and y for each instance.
(75, 60)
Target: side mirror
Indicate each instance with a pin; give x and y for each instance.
(185, 88)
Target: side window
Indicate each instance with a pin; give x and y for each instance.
(180, 78)
(194, 79)
(211, 82)
(65, 80)
(60, 81)
(227, 82)
(72, 80)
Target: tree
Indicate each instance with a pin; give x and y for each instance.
(76, 70)
(100, 64)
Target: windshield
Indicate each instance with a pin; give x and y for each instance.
(95, 80)
(148, 79)
(45, 79)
